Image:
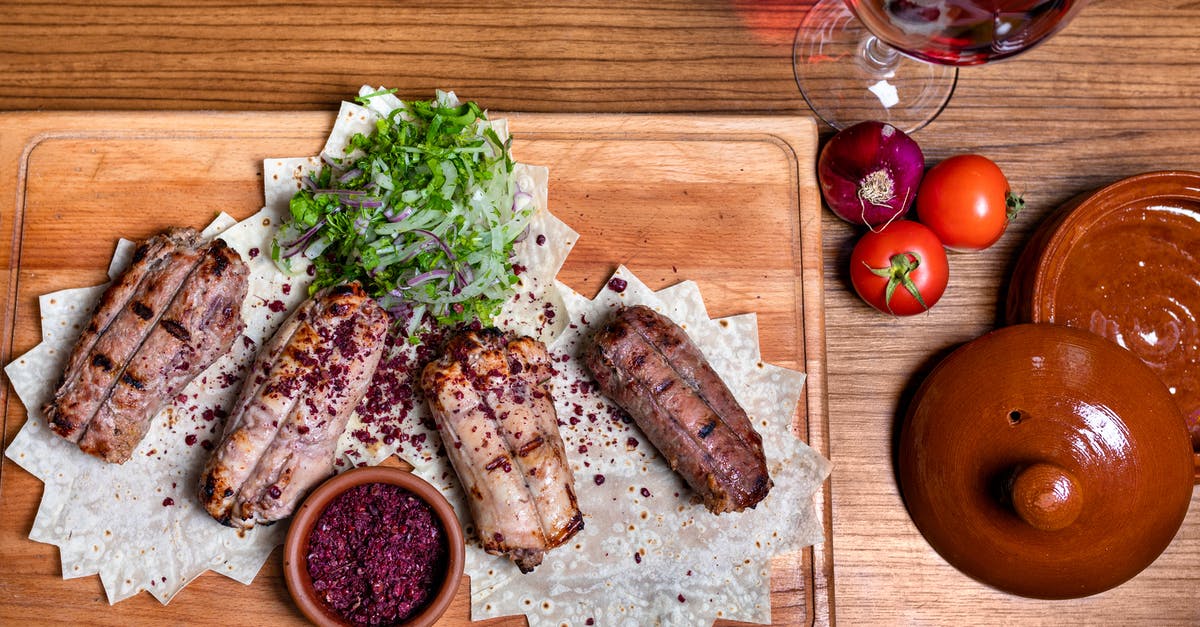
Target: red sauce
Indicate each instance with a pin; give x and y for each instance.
(376, 554)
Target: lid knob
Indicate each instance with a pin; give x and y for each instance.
(1047, 496)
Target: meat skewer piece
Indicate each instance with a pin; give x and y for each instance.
(280, 439)
(127, 311)
(649, 366)
(199, 326)
(163, 322)
(489, 397)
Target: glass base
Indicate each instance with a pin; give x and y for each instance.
(848, 76)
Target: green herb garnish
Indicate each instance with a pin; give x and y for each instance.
(423, 212)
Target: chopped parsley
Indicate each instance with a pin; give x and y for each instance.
(423, 212)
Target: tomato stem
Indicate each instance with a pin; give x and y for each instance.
(899, 273)
(1015, 204)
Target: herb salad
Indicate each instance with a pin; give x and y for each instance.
(424, 212)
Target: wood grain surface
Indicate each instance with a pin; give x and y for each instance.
(1112, 95)
(729, 202)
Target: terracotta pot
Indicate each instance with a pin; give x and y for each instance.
(1045, 461)
(295, 548)
(1124, 263)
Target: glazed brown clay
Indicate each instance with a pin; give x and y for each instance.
(1046, 496)
(1045, 461)
(295, 547)
(1124, 262)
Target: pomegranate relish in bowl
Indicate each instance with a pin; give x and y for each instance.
(374, 546)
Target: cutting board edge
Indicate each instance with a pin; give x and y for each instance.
(22, 131)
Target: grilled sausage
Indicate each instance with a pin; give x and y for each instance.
(647, 364)
(280, 440)
(496, 416)
(173, 313)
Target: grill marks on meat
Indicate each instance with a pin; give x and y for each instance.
(198, 326)
(281, 437)
(116, 330)
(128, 363)
(496, 416)
(647, 364)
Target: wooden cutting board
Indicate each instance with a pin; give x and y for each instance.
(729, 202)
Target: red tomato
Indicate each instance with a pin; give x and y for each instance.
(900, 269)
(966, 201)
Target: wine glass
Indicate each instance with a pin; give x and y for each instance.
(898, 61)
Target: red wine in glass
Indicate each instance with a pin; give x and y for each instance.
(897, 61)
(963, 32)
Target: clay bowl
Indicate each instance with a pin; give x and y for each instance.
(1124, 262)
(296, 546)
(1045, 461)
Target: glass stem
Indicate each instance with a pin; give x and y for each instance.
(879, 57)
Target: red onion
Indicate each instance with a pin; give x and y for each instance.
(869, 173)
(397, 217)
(428, 276)
(437, 240)
(298, 244)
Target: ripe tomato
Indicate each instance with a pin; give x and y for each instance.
(900, 269)
(967, 202)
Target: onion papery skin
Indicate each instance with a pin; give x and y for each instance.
(869, 173)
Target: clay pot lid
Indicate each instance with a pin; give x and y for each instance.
(1045, 461)
(1124, 262)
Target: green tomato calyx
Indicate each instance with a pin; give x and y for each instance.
(1015, 204)
(899, 273)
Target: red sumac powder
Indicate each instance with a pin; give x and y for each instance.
(376, 554)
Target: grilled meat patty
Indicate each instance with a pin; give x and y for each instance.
(281, 437)
(649, 366)
(489, 397)
(166, 319)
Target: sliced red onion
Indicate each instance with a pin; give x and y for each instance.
(349, 175)
(431, 235)
(416, 251)
(869, 173)
(521, 237)
(519, 196)
(298, 243)
(398, 217)
(464, 277)
(360, 203)
(439, 273)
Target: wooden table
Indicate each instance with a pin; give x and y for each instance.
(1112, 95)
